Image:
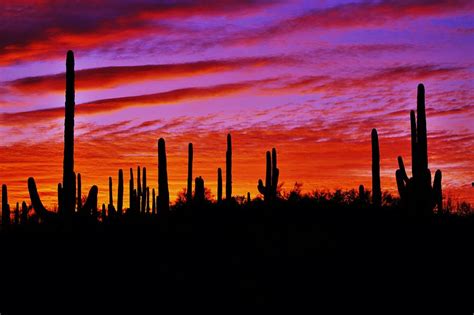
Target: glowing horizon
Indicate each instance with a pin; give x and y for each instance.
(309, 78)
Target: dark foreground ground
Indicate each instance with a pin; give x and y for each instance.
(344, 259)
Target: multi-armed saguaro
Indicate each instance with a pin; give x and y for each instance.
(269, 191)
(163, 202)
(416, 193)
(228, 169)
(376, 188)
(68, 189)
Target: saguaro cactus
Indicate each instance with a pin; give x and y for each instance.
(153, 202)
(139, 190)
(24, 213)
(69, 194)
(219, 185)
(416, 193)
(189, 190)
(110, 207)
(228, 169)
(60, 198)
(376, 189)
(361, 193)
(68, 200)
(17, 214)
(269, 191)
(5, 206)
(79, 192)
(111, 196)
(163, 192)
(148, 200)
(120, 193)
(90, 206)
(199, 193)
(144, 195)
(130, 186)
(103, 213)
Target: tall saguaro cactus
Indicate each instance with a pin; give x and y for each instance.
(269, 191)
(376, 188)
(68, 189)
(219, 185)
(228, 168)
(416, 193)
(120, 193)
(69, 194)
(144, 194)
(5, 206)
(153, 202)
(139, 190)
(111, 196)
(130, 186)
(163, 192)
(79, 192)
(189, 190)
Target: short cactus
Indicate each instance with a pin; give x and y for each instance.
(199, 193)
(269, 191)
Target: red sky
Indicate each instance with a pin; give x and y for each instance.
(310, 78)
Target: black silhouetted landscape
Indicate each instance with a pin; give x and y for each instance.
(283, 249)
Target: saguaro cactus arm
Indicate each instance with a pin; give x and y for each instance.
(36, 201)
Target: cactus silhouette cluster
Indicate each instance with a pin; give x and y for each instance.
(417, 194)
(269, 191)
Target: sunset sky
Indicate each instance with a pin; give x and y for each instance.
(310, 78)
